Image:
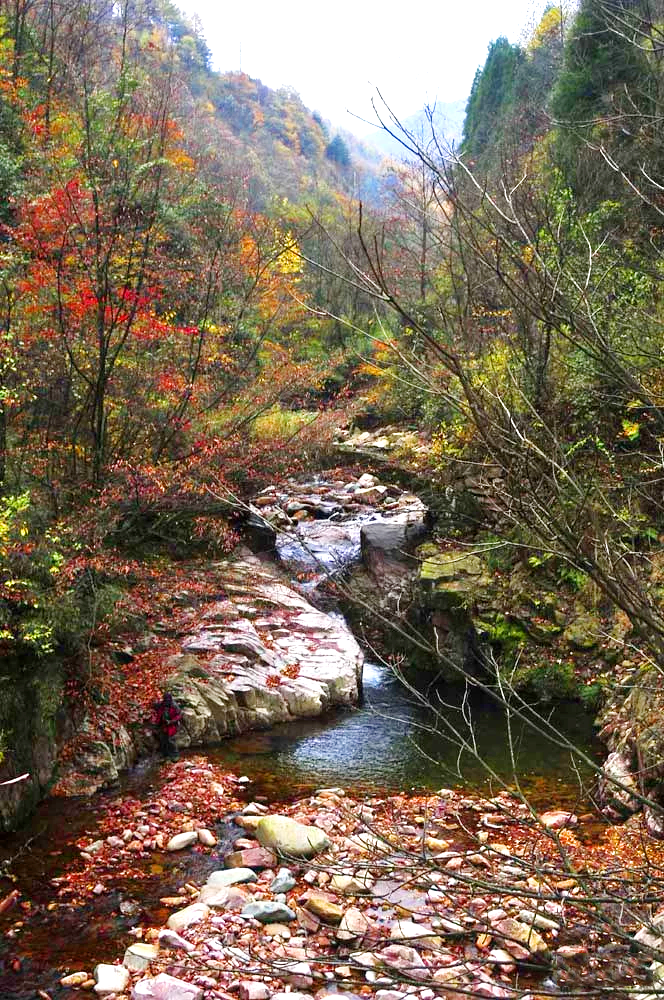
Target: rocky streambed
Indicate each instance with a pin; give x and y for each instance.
(419, 896)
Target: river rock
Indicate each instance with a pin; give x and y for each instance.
(251, 990)
(288, 837)
(353, 925)
(283, 881)
(206, 838)
(557, 819)
(269, 912)
(184, 918)
(358, 884)
(251, 857)
(74, 979)
(182, 840)
(110, 979)
(138, 956)
(227, 897)
(298, 974)
(277, 930)
(405, 959)
(231, 876)
(165, 987)
(322, 906)
(248, 823)
(171, 939)
(291, 996)
(534, 919)
(408, 930)
(515, 934)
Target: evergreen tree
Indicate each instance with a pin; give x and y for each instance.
(337, 151)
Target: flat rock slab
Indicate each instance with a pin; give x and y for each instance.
(165, 987)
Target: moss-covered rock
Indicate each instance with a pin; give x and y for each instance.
(546, 680)
(454, 564)
(450, 578)
(583, 632)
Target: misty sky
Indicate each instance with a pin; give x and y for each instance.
(337, 53)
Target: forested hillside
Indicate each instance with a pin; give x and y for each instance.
(163, 351)
(193, 298)
(531, 347)
(154, 295)
(268, 407)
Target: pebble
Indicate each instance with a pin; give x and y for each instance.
(193, 914)
(252, 857)
(283, 881)
(182, 840)
(75, 979)
(231, 876)
(165, 987)
(268, 912)
(171, 939)
(250, 990)
(206, 838)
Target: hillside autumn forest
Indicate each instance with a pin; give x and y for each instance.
(277, 408)
(156, 307)
(202, 281)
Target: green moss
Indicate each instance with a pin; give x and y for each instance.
(592, 695)
(199, 673)
(507, 633)
(547, 681)
(450, 566)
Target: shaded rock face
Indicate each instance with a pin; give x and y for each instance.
(262, 656)
(100, 763)
(32, 721)
(634, 733)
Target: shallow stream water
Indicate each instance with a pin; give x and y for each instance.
(396, 742)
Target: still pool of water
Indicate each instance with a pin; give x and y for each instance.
(394, 742)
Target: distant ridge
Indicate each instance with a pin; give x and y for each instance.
(447, 119)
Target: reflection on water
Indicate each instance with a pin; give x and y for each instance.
(393, 742)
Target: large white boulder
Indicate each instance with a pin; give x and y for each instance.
(288, 837)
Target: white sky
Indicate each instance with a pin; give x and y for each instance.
(335, 54)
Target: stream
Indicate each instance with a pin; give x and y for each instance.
(390, 743)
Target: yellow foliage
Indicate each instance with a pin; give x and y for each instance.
(549, 26)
